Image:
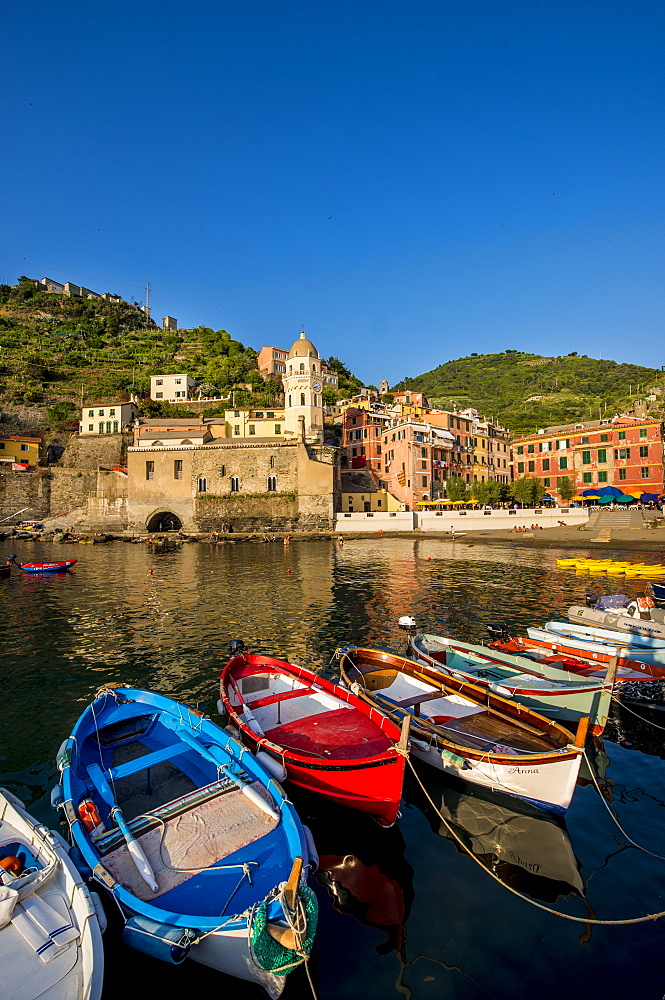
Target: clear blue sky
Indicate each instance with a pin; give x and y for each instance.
(412, 180)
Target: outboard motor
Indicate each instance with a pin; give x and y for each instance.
(408, 624)
(497, 632)
(592, 600)
(236, 647)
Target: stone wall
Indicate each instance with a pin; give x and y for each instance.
(247, 513)
(19, 490)
(45, 492)
(70, 489)
(90, 452)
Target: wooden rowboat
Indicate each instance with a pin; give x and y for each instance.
(329, 740)
(200, 848)
(548, 689)
(461, 728)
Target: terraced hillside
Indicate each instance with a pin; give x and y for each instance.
(527, 391)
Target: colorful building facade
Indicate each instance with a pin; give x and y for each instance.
(624, 452)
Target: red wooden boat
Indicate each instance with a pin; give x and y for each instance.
(330, 741)
(566, 655)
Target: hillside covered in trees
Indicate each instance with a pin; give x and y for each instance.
(526, 391)
(56, 350)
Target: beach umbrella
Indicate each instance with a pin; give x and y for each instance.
(605, 499)
(592, 496)
(625, 498)
(649, 496)
(589, 493)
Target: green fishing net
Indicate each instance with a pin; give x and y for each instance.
(271, 955)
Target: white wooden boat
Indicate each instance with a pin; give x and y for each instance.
(463, 729)
(50, 932)
(614, 636)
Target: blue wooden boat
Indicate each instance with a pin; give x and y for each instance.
(202, 851)
(658, 590)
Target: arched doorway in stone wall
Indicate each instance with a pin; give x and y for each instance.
(164, 520)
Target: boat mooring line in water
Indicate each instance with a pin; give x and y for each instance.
(646, 850)
(648, 722)
(540, 906)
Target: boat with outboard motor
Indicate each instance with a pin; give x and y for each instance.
(198, 845)
(461, 728)
(328, 740)
(50, 924)
(544, 687)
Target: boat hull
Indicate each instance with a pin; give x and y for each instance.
(548, 785)
(52, 567)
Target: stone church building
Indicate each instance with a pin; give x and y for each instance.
(199, 481)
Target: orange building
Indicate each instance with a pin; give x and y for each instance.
(625, 452)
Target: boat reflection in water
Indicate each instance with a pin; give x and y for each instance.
(525, 847)
(363, 868)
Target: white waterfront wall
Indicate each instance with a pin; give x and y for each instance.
(462, 520)
(376, 521)
(494, 520)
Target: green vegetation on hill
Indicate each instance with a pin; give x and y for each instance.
(56, 349)
(526, 391)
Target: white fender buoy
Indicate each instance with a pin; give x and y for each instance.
(272, 765)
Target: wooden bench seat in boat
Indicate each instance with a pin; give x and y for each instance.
(101, 778)
(271, 699)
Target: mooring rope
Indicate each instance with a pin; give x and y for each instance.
(646, 850)
(648, 722)
(521, 895)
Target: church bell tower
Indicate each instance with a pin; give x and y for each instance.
(303, 392)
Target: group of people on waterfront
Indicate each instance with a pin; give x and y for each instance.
(534, 527)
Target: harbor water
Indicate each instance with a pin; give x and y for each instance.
(411, 912)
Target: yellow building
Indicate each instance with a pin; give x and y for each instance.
(15, 448)
(251, 423)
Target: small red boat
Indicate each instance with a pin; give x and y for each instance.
(328, 740)
(46, 567)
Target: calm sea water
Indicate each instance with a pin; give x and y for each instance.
(404, 913)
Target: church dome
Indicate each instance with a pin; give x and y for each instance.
(303, 348)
